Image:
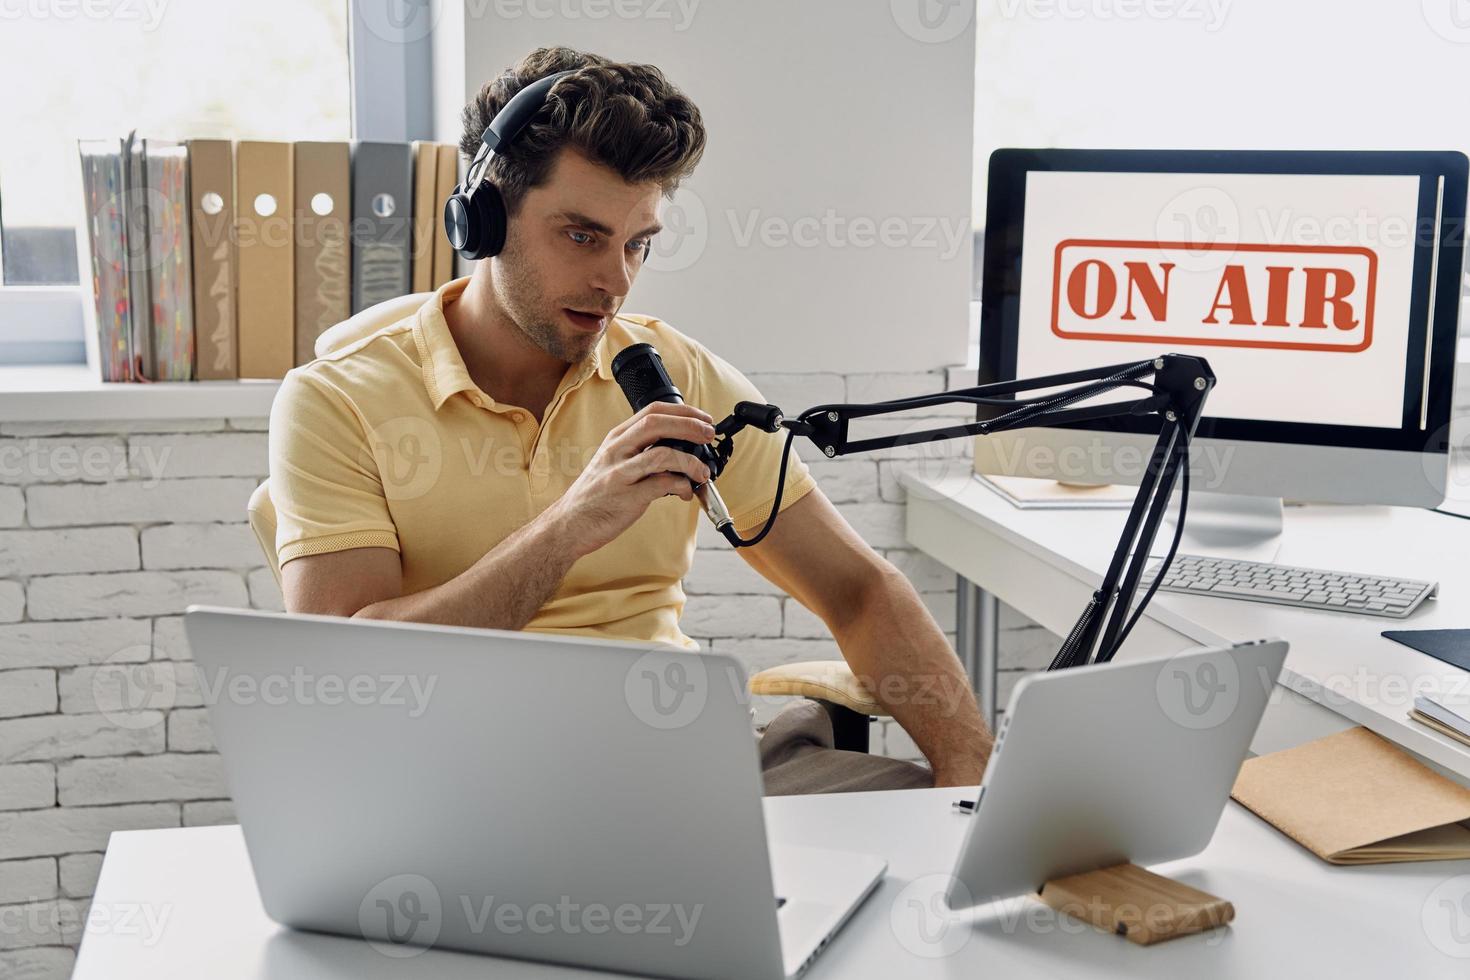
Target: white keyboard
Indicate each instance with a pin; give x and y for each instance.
(1309, 588)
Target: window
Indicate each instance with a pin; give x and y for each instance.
(173, 69)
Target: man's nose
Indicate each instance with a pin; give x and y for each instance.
(611, 274)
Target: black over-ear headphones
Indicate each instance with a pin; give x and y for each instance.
(474, 215)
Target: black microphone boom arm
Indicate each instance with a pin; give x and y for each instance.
(1175, 387)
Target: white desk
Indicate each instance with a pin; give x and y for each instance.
(1046, 563)
(1295, 915)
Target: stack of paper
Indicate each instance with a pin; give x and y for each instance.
(1437, 714)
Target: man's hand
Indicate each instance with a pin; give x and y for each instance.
(625, 475)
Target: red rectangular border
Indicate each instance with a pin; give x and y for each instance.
(1056, 293)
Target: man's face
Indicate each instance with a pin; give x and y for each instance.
(571, 254)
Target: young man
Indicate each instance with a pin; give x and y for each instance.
(475, 463)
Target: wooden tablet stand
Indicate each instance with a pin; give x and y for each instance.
(1143, 907)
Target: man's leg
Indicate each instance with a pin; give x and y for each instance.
(797, 757)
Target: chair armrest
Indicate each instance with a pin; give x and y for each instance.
(820, 680)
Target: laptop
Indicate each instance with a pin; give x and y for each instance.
(1098, 765)
(549, 798)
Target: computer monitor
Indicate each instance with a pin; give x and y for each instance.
(1322, 287)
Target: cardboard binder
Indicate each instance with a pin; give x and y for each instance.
(444, 186)
(263, 176)
(425, 216)
(382, 222)
(212, 210)
(170, 275)
(323, 252)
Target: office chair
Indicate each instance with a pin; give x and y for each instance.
(830, 683)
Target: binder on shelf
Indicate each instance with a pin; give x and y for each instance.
(447, 180)
(104, 217)
(135, 251)
(266, 299)
(323, 253)
(382, 222)
(170, 278)
(425, 184)
(212, 208)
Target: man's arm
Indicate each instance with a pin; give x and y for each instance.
(505, 588)
(887, 636)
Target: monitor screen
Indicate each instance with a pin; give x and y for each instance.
(1309, 281)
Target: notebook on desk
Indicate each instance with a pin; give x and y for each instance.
(1354, 798)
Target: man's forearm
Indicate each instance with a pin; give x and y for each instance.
(503, 590)
(897, 650)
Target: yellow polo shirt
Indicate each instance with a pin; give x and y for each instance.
(388, 443)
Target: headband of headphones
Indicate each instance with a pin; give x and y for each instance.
(507, 125)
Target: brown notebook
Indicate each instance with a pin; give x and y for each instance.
(323, 254)
(1354, 798)
(266, 302)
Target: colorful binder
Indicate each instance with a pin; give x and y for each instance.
(170, 278)
(103, 188)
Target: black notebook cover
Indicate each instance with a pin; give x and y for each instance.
(1451, 646)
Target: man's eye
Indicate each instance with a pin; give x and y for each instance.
(580, 237)
(639, 245)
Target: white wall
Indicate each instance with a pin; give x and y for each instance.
(823, 110)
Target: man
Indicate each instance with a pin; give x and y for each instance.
(475, 465)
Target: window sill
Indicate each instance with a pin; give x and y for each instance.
(71, 392)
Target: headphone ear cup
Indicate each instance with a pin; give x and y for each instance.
(458, 225)
(488, 207)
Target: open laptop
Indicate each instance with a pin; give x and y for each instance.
(519, 794)
(1125, 761)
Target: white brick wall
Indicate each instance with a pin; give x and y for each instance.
(109, 529)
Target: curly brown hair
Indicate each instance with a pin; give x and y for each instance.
(627, 117)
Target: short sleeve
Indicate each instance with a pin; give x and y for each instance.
(324, 483)
(748, 482)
